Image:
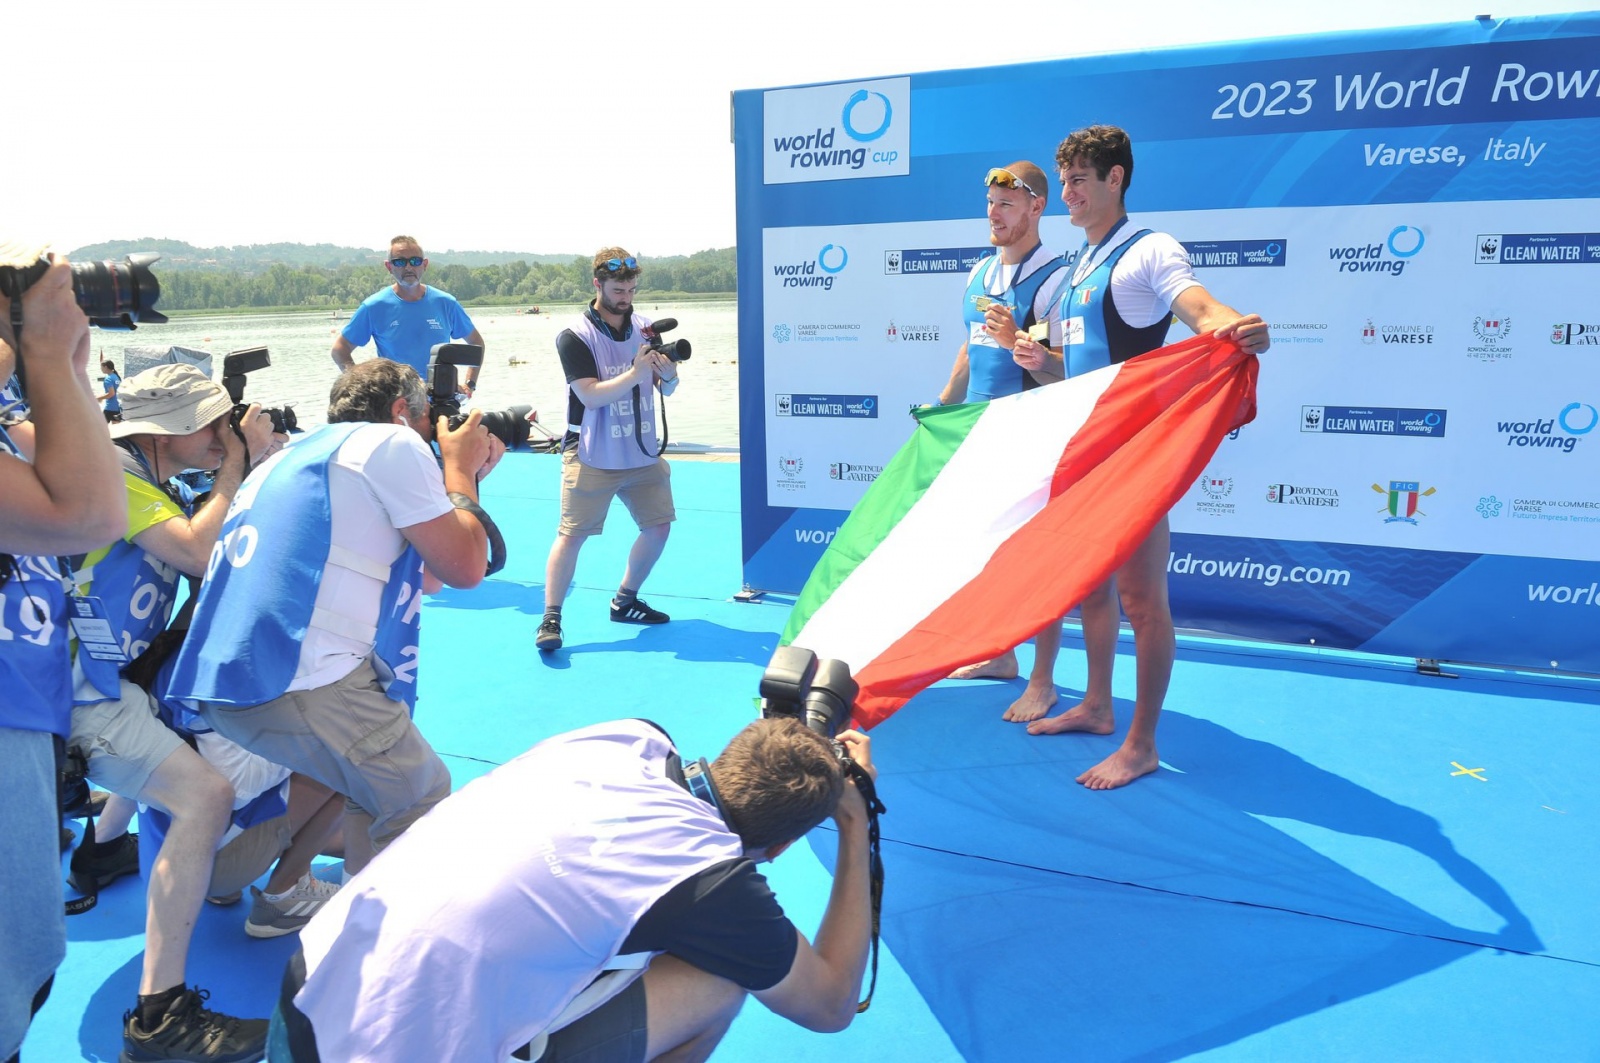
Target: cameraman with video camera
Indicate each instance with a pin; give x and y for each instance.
(62, 493)
(614, 361)
(303, 648)
(624, 859)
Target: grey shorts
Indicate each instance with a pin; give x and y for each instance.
(123, 739)
(353, 739)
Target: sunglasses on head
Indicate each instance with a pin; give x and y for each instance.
(1006, 179)
(611, 265)
(414, 260)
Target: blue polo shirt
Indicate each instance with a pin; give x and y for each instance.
(406, 332)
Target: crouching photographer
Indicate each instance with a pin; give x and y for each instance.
(63, 493)
(623, 919)
(303, 647)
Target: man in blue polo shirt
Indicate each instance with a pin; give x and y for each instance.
(407, 318)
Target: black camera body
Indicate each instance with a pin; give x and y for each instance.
(509, 425)
(235, 367)
(677, 350)
(818, 693)
(112, 295)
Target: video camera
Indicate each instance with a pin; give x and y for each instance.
(112, 295)
(234, 368)
(510, 426)
(677, 350)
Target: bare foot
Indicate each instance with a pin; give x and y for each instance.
(1121, 768)
(1089, 719)
(1034, 703)
(1001, 667)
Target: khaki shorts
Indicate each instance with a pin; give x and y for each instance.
(353, 739)
(248, 856)
(586, 494)
(123, 739)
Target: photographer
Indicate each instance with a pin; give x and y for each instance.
(612, 374)
(304, 643)
(175, 419)
(62, 493)
(623, 867)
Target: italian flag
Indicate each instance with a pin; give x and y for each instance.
(996, 518)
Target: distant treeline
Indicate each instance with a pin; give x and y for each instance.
(197, 278)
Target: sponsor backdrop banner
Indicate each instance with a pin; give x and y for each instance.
(1416, 212)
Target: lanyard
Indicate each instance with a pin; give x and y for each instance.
(1016, 275)
(1091, 257)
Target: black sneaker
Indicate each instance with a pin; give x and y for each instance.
(191, 1033)
(549, 637)
(637, 612)
(110, 862)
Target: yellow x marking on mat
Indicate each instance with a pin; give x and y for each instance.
(1476, 773)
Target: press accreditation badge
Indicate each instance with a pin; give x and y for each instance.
(93, 629)
(1072, 331)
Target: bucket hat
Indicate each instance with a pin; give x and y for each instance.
(169, 400)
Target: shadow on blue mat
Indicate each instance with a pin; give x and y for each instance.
(686, 640)
(1041, 920)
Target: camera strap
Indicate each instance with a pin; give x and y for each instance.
(875, 808)
(497, 542)
(638, 423)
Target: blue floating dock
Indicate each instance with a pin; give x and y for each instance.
(1314, 874)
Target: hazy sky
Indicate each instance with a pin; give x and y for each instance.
(484, 125)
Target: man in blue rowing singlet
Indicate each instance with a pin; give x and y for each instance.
(1124, 289)
(1013, 289)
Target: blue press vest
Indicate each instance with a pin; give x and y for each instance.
(35, 662)
(261, 589)
(137, 591)
(991, 372)
(1103, 337)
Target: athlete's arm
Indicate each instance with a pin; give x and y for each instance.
(1046, 365)
(956, 389)
(1197, 308)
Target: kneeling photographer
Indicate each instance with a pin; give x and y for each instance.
(614, 360)
(63, 493)
(175, 419)
(623, 918)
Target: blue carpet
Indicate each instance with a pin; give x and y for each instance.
(1304, 880)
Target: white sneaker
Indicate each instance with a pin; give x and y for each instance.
(270, 919)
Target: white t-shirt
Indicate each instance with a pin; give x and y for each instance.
(1152, 273)
(384, 478)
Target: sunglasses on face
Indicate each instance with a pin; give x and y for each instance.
(611, 265)
(1007, 179)
(414, 260)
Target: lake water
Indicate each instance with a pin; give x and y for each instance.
(704, 410)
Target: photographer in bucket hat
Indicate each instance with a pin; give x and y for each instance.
(174, 419)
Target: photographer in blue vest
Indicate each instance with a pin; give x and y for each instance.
(1016, 288)
(1125, 288)
(63, 493)
(175, 419)
(304, 645)
(611, 449)
(622, 919)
